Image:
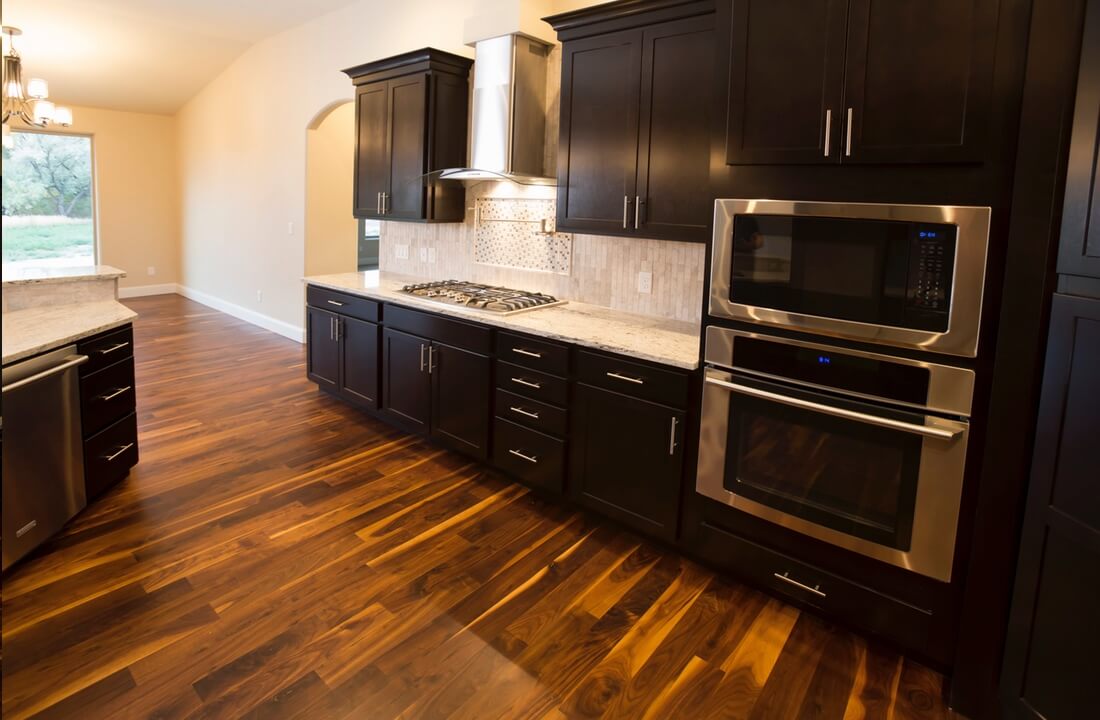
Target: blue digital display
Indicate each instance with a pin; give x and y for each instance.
(928, 233)
(824, 360)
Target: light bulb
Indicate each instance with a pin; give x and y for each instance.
(62, 116)
(43, 112)
(38, 89)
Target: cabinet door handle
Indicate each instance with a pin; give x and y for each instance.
(385, 197)
(672, 436)
(111, 349)
(378, 203)
(527, 383)
(626, 378)
(422, 357)
(529, 458)
(116, 393)
(331, 330)
(334, 302)
(527, 413)
(637, 211)
(828, 130)
(784, 577)
(339, 325)
(848, 137)
(528, 353)
(431, 359)
(626, 211)
(118, 452)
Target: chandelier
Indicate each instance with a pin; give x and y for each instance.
(28, 102)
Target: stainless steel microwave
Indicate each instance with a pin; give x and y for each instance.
(903, 275)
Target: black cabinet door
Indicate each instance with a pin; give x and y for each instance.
(627, 459)
(918, 79)
(406, 384)
(597, 155)
(372, 160)
(461, 398)
(1050, 654)
(786, 81)
(359, 361)
(322, 348)
(673, 197)
(408, 127)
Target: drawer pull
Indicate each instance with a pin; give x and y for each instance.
(113, 348)
(336, 303)
(121, 450)
(527, 413)
(116, 393)
(528, 353)
(784, 577)
(527, 383)
(529, 458)
(626, 378)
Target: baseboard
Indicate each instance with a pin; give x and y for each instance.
(242, 313)
(146, 290)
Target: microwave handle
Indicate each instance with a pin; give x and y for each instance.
(925, 430)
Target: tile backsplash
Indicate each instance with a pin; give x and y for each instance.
(518, 233)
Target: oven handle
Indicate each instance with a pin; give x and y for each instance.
(925, 430)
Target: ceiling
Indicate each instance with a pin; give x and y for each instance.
(126, 54)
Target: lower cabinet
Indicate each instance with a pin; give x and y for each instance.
(322, 348)
(342, 351)
(107, 409)
(406, 385)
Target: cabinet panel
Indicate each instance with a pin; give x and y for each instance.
(674, 198)
(322, 348)
(372, 148)
(599, 132)
(406, 384)
(786, 80)
(359, 348)
(461, 398)
(408, 97)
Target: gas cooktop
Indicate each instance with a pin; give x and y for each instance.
(500, 300)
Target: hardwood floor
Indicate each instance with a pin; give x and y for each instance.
(278, 554)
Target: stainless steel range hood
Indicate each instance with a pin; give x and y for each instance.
(508, 139)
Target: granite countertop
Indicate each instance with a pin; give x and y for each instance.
(662, 341)
(38, 329)
(46, 274)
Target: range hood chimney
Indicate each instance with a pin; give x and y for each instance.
(508, 136)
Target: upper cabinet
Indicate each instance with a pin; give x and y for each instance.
(636, 111)
(859, 81)
(411, 115)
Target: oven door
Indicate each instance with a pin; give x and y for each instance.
(870, 478)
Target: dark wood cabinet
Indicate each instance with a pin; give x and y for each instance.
(359, 353)
(636, 109)
(107, 408)
(322, 348)
(859, 81)
(342, 345)
(411, 118)
(461, 398)
(407, 386)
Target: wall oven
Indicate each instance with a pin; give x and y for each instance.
(860, 450)
(903, 275)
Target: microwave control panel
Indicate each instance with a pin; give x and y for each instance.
(931, 268)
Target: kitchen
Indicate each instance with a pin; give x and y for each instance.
(723, 359)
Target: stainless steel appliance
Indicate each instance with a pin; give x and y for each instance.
(498, 300)
(903, 275)
(861, 450)
(43, 456)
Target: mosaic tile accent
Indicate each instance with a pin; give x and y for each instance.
(510, 234)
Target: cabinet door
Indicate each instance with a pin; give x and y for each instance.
(359, 361)
(372, 155)
(674, 198)
(461, 397)
(408, 129)
(786, 81)
(322, 348)
(918, 79)
(1050, 652)
(597, 157)
(627, 459)
(406, 385)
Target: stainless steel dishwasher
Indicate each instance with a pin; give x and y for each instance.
(42, 447)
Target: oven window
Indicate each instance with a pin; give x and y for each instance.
(852, 477)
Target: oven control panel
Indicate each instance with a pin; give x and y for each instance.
(931, 267)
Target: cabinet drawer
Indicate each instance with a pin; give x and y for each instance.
(338, 302)
(105, 349)
(536, 415)
(669, 387)
(534, 458)
(537, 354)
(532, 383)
(107, 396)
(456, 333)
(109, 455)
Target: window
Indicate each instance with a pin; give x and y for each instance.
(47, 198)
(369, 232)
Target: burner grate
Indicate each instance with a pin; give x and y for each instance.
(490, 298)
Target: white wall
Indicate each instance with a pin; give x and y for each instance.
(330, 231)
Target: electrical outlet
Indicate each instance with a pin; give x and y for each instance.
(151, 270)
(259, 296)
(431, 255)
(423, 254)
(290, 227)
(401, 251)
(645, 282)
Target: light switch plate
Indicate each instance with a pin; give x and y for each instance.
(402, 252)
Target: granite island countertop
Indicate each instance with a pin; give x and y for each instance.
(38, 329)
(668, 342)
(46, 274)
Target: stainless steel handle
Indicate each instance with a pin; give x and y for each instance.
(385, 198)
(378, 203)
(528, 383)
(334, 302)
(431, 359)
(422, 346)
(784, 577)
(331, 328)
(925, 430)
(672, 436)
(637, 210)
(528, 353)
(70, 363)
(626, 211)
(339, 324)
(528, 458)
(828, 130)
(848, 141)
(121, 450)
(116, 393)
(627, 378)
(528, 413)
(111, 349)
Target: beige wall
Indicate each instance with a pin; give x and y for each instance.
(136, 192)
(330, 227)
